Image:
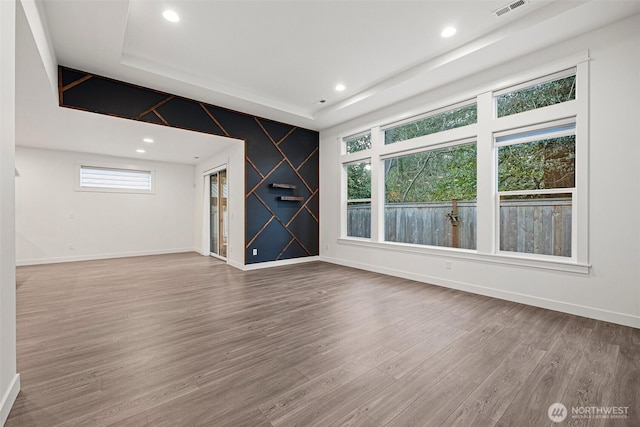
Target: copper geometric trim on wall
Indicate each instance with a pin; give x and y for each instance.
(274, 153)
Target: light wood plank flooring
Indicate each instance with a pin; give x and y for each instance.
(184, 340)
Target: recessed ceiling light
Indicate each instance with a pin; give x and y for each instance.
(340, 87)
(148, 140)
(140, 150)
(448, 32)
(171, 15)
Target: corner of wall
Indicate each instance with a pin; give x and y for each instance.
(9, 398)
(9, 379)
(34, 13)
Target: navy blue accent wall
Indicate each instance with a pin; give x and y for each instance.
(274, 153)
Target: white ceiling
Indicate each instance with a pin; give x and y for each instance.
(288, 55)
(275, 59)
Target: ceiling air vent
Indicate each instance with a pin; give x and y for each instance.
(509, 7)
(502, 11)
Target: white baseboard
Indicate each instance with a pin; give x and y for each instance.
(268, 264)
(9, 398)
(565, 307)
(55, 260)
(235, 264)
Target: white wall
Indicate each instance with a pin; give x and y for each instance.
(55, 223)
(611, 289)
(233, 158)
(9, 379)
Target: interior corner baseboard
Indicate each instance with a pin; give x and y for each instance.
(9, 398)
(268, 264)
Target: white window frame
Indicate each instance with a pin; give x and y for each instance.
(113, 166)
(344, 196)
(570, 190)
(488, 126)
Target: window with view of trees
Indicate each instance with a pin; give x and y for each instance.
(433, 123)
(358, 143)
(537, 95)
(430, 197)
(432, 190)
(536, 179)
(359, 199)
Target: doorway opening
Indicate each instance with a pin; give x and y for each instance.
(218, 214)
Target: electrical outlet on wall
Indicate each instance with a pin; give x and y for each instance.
(255, 251)
(447, 265)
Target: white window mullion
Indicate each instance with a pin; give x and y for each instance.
(344, 206)
(581, 197)
(485, 175)
(377, 186)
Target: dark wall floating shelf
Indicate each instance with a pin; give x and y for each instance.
(288, 186)
(291, 198)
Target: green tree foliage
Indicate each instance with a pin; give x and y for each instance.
(433, 176)
(358, 143)
(359, 174)
(537, 165)
(537, 96)
(450, 173)
(437, 123)
(359, 181)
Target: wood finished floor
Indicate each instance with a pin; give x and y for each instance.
(184, 340)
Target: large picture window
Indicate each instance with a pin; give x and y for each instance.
(499, 176)
(430, 197)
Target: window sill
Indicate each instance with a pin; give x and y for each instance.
(472, 255)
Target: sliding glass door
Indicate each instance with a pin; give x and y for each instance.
(218, 209)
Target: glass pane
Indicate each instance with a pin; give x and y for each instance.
(359, 143)
(214, 214)
(537, 165)
(537, 96)
(451, 119)
(359, 200)
(359, 181)
(94, 177)
(539, 224)
(223, 221)
(430, 197)
(359, 219)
